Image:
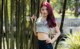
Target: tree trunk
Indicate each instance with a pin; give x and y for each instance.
(76, 8)
(48, 0)
(33, 39)
(12, 24)
(62, 21)
(6, 23)
(18, 26)
(23, 38)
(1, 22)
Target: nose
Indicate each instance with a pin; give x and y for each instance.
(44, 11)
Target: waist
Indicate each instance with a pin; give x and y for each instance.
(42, 36)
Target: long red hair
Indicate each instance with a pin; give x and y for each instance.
(50, 18)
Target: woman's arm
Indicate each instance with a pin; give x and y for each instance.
(34, 27)
(57, 34)
(49, 40)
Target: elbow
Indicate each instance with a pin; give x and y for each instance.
(59, 33)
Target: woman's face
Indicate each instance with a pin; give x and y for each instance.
(44, 11)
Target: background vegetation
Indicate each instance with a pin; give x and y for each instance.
(16, 27)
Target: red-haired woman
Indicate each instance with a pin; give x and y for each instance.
(45, 21)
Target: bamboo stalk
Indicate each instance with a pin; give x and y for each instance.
(12, 25)
(1, 23)
(23, 40)
(24, 21)
(18, 27)
(6, 22)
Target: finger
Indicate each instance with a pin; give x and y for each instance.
(47, 41)
(33, 17)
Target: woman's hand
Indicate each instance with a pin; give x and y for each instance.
(49, 40)
(32, 18)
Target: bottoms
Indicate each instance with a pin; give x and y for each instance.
(43, 45)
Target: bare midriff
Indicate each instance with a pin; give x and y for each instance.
(42, 36)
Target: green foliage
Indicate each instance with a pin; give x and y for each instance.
(73, 41)
(71, 4)
(59, 4)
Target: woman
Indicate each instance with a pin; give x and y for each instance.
(43, 24)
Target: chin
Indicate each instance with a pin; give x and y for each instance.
(45, 15)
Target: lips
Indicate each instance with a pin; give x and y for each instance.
(44, 13)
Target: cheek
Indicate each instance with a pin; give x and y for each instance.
(46, 12)
(41, 11)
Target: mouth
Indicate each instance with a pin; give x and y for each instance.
(44, 13)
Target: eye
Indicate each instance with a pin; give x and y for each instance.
(42, 9)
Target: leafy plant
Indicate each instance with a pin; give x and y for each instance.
(73, 41)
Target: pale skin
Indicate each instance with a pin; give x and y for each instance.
(44, 36)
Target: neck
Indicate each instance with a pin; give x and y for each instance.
(44, 17)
